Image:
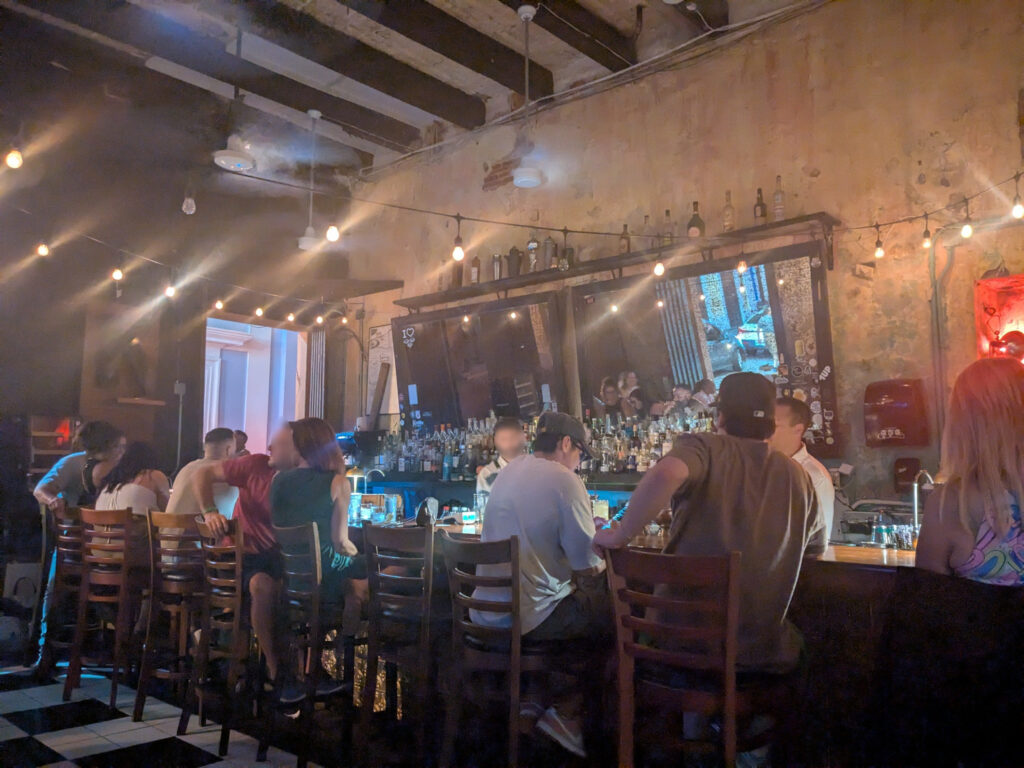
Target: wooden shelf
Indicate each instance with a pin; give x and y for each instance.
(140, 401)
(818, 224)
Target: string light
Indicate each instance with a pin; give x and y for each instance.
(117, 275)
(169, 291)
(615, 308)
(42, 249)
(743, 289)
(741, 267)
(291, 317)
(659, 269)
(344, 319)
(218, 304)
(259, 311)
(319, 319)
(967, 229)
(1018, 208)
(660, 304)
(926, 238)
(513, 314)
(457, 252)
(879, 250)
(333, 234)
(465, 318)
(702, 297)
(13, 158)
(782, 281)
(188, 205)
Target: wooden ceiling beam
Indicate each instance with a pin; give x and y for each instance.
(432, 28)
(306, 36)
(167, 39)
(589, 34)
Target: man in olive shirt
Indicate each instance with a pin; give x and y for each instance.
(733, 492)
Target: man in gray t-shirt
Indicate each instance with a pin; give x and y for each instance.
(563, 596)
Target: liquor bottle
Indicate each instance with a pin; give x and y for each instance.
(728, 213)
(496, 265)
(760, 209)
(515, 261)
(474, 270)
(441, 274)
(457, 274)
(624, 246)
(650, 237)
(550, 260)
(668, 230)
(695, 227)
(566, 260)
(778, 201)
(531, 252)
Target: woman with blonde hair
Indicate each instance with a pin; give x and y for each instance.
(972, 522)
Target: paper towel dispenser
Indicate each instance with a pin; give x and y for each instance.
(895, 414)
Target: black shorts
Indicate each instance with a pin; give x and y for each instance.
(268, 562)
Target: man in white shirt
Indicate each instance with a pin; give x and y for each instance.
(509, 443)
(792, 417)
(563, 595)
(219, 444)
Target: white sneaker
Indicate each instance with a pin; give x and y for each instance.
(568, 733)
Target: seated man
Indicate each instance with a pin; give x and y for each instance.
(219, 444)
(252, 475)
(563, 594)
(732, 492)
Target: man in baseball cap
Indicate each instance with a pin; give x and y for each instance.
(732, 492)
(562, 590)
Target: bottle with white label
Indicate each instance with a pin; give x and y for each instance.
(778, 201)
(474, 270)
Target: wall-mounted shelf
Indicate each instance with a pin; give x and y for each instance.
(141, 401)
(815, 224)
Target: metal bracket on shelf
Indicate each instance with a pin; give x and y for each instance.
(830, 254)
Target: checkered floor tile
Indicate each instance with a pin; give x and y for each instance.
(38, 728)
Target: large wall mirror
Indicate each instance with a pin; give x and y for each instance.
(463, 363)
(765, 312)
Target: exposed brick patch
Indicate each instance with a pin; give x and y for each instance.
(500, 173)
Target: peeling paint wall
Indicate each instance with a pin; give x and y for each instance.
(869, 111)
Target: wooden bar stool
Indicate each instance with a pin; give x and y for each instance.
(176, 587)
(400, 563)
(689, 665)
(223, 648)
(111, 578)
(66, 583)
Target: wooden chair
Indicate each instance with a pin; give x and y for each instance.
(109, 578)
(176, 587)
(401, 575)
(309, 618)
(67, 581)
(223, 647)
(478, 649)
(685, 666)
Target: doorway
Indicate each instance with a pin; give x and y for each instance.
(255, 378)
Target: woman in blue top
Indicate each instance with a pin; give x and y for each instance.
(317, 491)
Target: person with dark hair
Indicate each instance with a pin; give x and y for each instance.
(610, 401)
(262, 569)
(218, 445)
(509, 442)
(792, 418)
(704, 394)
(136, 482)
(240, 440)
(75, 480)
(562, 591)
(732, 492)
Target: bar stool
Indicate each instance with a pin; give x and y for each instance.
(223, 647)
(400, 563)
(176, 587)
(689, 665)
(66, 583)
(484, 649)
(111, 577)
(309, 620)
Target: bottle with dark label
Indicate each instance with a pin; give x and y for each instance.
(624, 244)
(474, 270)
(778, 201)
(496, 266)
(760, 209)
(668, 230)
(728, 213)
(695, 227)
(456, 274)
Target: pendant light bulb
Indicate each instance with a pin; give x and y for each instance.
(291, 317)
(218, 304)
(259, 311)
(1018, 208)
(741, 267)
(169, 291)
(926, 238)
(615, 308)
(879, 249)
(660, 303)
(457, 252)
(513, 315)
(13, 159)
(42, 249)
(319, 319)
(659, 269)
(344, 319)
(188, 205)
(968, 228)
(333, 234)
(117, 275)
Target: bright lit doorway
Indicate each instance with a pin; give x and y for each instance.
(255, 378)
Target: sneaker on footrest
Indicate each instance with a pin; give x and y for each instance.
(568, 733)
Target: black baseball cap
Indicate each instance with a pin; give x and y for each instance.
(563, 425)
(746, 402)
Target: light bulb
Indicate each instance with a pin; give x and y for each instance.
(319, 319)
(42, 249)
(465, 318)
(513, 315)
(188, 205)
(702, 297)
(741, 267)
(333, 234)
(344, 320)
(743, 289)
(782, 281)
(169, 291)
(117, 274)
(291, 317)
(660, 303)
(966, 230)
(659, 269)
(259, 311)
(1018, 208)
(13, 159)
(457, 253)
(218, 304)
(926, 240)
(615, 307)
(879, 250)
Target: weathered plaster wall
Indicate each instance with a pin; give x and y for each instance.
(870, 111)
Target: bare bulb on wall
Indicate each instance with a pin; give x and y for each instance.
(333, 234)
(13, 159)
(1018, 208)
(457, 252)
(659, 269)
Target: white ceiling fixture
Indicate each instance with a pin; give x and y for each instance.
(236, 157)
(309, 240)
(526, 176)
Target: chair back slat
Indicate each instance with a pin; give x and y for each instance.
(404, 596)
(107, 536)
(501, 559)
(222, 618)
(175, 548)
(300, 552)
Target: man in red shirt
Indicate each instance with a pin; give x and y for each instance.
(261, 566)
